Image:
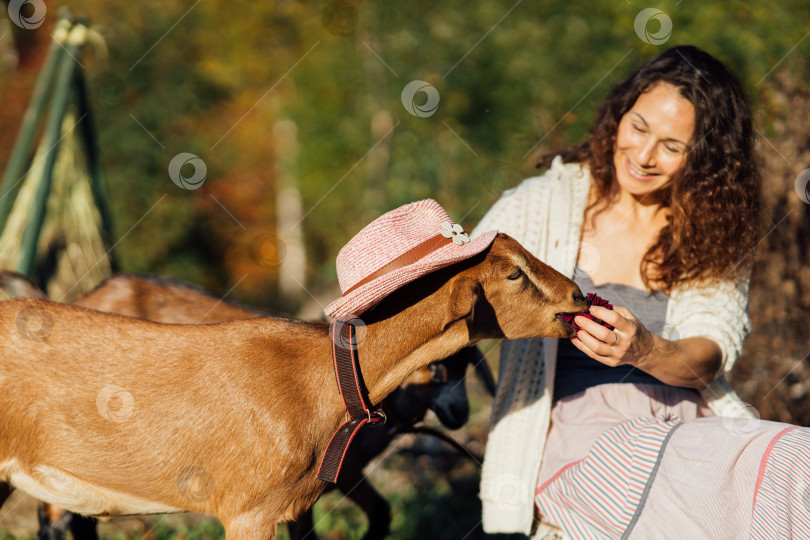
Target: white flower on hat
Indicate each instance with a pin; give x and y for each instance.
(456, 232)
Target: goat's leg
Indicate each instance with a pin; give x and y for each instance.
(373, 504)
(53, 522)
(303, 527)
(5, 492)
(83, 527)
(249, 526)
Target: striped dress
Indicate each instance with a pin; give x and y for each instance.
(707, 478)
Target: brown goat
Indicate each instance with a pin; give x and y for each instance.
(231, 419)
(438, 386)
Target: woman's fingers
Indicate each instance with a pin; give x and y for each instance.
(594, 328)
(593, 348)
(601, 343)
(614, 317)
(624, 312)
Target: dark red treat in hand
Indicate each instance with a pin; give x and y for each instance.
(594, 301)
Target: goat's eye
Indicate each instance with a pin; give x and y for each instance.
(438, 373)
(515, 275)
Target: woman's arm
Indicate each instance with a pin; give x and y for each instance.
(690, 362)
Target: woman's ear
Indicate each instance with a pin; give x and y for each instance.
(464, 295)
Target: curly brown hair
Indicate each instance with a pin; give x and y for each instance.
(714, 200)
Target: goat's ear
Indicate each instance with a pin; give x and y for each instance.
(463, 296)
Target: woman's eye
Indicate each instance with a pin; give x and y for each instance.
(516, 274)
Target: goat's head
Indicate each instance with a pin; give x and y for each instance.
(508, 293)
(451, 404)
(438, 387)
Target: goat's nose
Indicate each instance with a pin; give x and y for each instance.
(579, 297)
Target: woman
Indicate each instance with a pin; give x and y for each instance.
(605, 435)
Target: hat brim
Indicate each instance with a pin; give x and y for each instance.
(359, 300)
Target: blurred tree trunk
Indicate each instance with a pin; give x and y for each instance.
(379, 159)
(292, 269)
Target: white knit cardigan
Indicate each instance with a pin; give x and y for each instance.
(545, 214)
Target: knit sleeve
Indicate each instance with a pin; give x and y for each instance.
(519, 422)
(506, 483)
(718, 311)
(536, 214)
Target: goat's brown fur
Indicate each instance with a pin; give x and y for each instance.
(232, 419)
(14, 285)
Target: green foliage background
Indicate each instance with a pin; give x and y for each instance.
(514, 78)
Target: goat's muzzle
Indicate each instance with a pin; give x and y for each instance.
(579, 304)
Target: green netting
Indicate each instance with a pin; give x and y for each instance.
(55, 212)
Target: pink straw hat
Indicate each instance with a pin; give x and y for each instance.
(395, 249)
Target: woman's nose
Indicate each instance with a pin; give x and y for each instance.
(646, 155)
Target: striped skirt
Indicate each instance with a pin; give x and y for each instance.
(662, 477)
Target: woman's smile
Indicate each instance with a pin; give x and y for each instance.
(638, 173)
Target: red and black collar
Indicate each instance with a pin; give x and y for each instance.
(355, 398)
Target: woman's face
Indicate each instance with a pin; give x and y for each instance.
(652, 139)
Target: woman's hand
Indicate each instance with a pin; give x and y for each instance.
(691, 362)
(628, 343)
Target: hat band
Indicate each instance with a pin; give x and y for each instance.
(409, 257)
